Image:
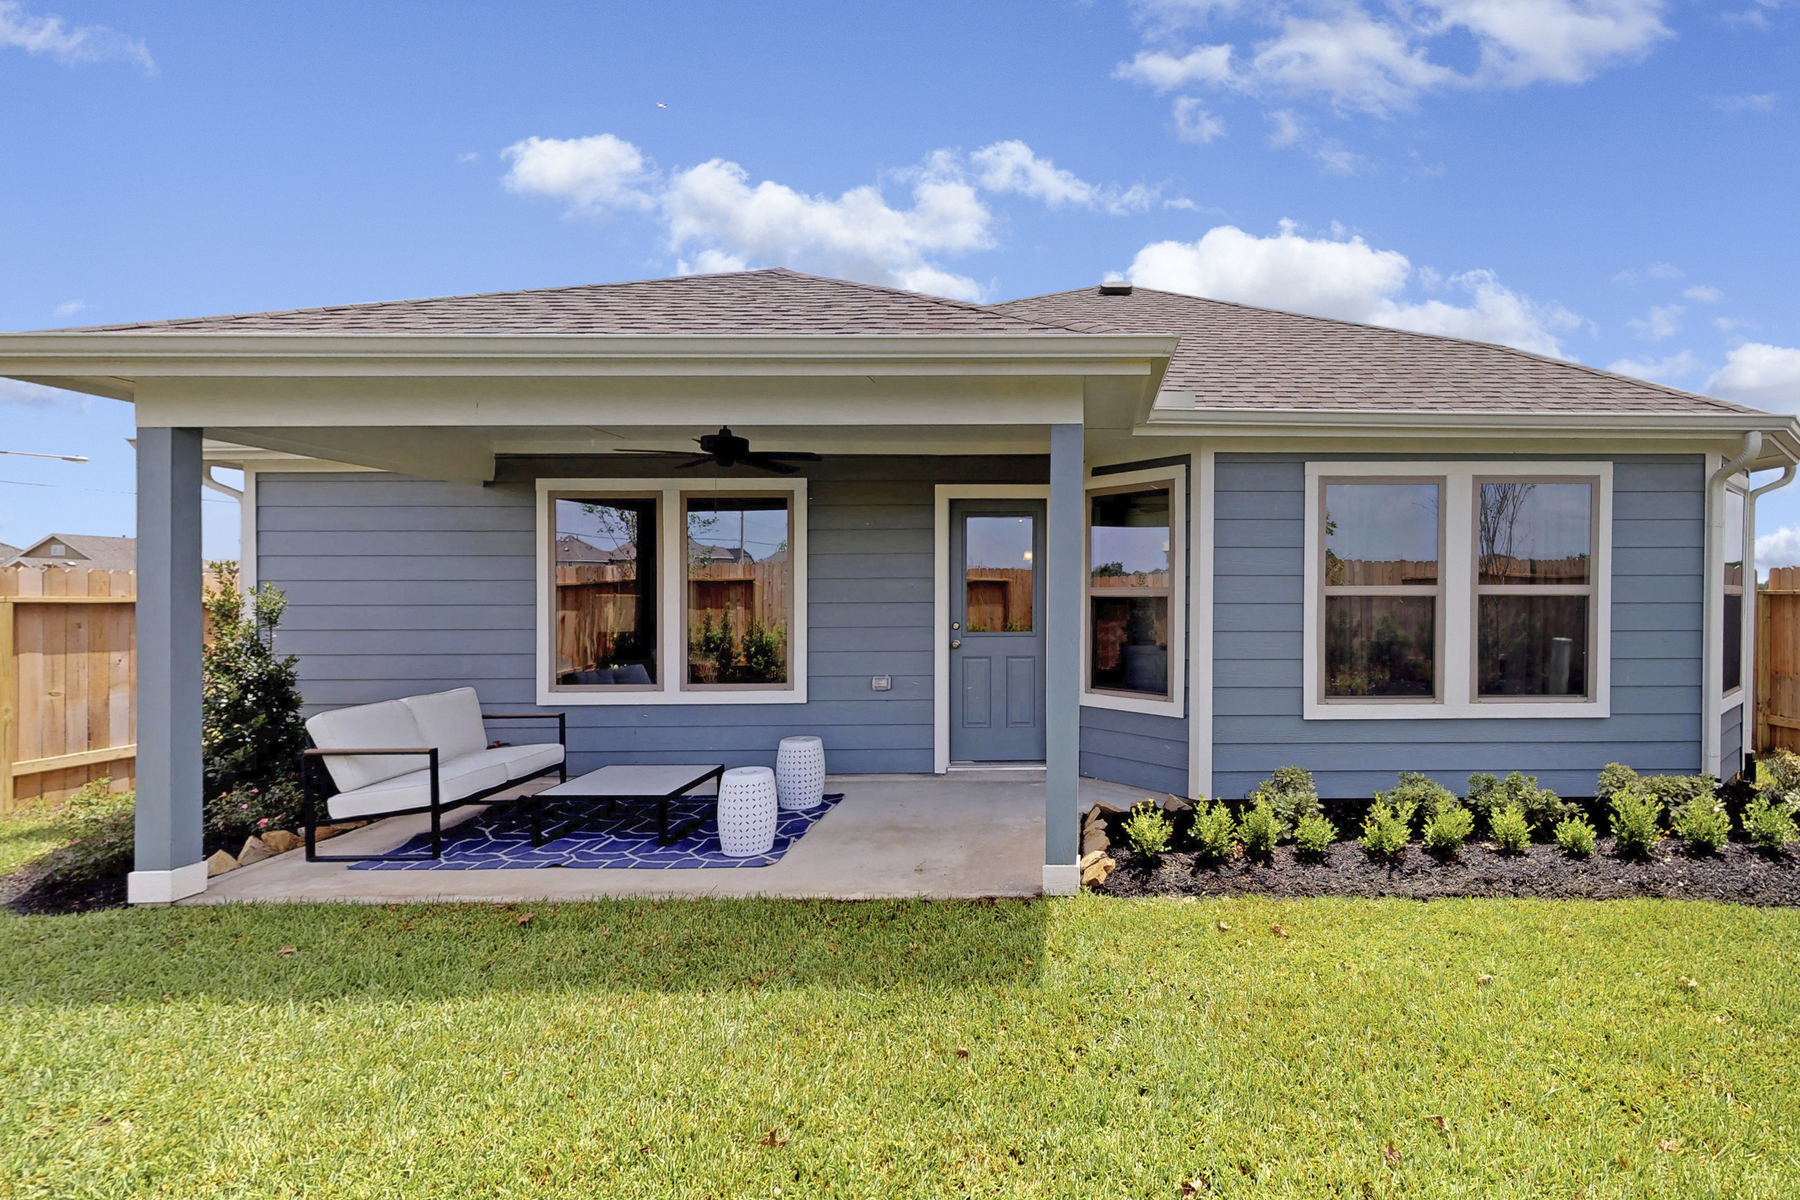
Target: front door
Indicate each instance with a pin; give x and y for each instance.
(997, 631)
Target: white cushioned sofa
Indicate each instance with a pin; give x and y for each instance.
(417, 754)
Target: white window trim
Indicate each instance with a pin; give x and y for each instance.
(1176, 703)
(1458, 574)
(672, 642)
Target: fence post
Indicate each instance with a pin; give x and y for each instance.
(9, 705)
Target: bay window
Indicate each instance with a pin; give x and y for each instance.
(1134, 651)
(664, 592)
(1457, 589)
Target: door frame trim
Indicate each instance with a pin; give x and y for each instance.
(940, 623)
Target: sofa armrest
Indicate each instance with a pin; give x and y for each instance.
(562, 722)
(347, 751)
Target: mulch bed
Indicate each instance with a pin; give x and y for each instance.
(33, 893)
(1738, 874)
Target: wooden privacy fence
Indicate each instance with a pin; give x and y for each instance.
(1778, 661)
(68, 674)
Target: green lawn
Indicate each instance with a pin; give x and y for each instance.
(33, 832)
(1072, 1048)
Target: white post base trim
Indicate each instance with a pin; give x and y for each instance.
(165, 887)
(1062, 879)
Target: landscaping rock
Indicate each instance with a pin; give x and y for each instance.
(219, 863)
(280, 841)
(1095, 839)
(1091, 857)
(1176, 806)
(254, 851)
(1097, 872)
(1102, 810)
(331, 831)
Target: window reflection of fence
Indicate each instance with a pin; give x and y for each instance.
(1140, 579)
(1395, 572)
(1499, 569)
(1778, 662)
(737, 592)
(999, 599)
(596, 611)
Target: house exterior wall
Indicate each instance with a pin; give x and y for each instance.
(1731, 741)
(1658, 529)
(398, 585)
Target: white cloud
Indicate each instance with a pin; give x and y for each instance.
(1761, 375)
(591, 173)
(1764, 102)
(70, 307)
(716, 219)
(1660, 370)
(1349, 279)
(56, 38)
(1663, 321)
(1012, 167)
(1287, 127)
(31, 395)
(1194, 124)
(1663, 270)
(1701, 294)
(1778, 549)
(1382, 59)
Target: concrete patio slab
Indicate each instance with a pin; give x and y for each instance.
(966, 835)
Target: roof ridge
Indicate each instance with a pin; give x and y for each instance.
(959, 305)
(1410, 333)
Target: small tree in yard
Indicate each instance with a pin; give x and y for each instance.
(251, 730)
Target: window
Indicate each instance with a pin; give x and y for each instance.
(660, 592)
(1135, 639)
(739, 580)
(998, 583)
(1457, 589)
(1382, 593)
(1732, 657)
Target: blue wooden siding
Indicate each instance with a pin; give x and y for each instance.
(399, 585)
(1658, 524)
(1731, 741)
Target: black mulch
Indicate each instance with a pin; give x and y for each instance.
(1739, 874)
(36, 893)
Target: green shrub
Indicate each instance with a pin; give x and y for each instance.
(1149, 829)
(250, 725)
(1778, 775)
(1213, 831)
(1445, 832)
(1259, 829)
(1673, 792)
(1703, 824)
(1769, 824)
(1541, 806)
(1290, 792)
(1614, 778)
(1427, 795)
(1314, 834)
(1576, 836)
(102, 841)
(1511, 829)
(1636, 818)
(1387, 829)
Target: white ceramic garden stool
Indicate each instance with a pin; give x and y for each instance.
(800, 772)
(747, 812)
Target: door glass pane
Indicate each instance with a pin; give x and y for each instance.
(605, 592)
(1128, 539)
(1380, 645)
(1381, 534)
(1532, 645)
(739, 577)
(997, 571)
(1130, 636)
(1536, 533)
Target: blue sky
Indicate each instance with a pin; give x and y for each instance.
(1612, 181)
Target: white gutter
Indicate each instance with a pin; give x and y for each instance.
(1712, 649)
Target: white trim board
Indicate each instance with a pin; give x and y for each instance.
(672, 644)
(1200, 639)
(940, 591)
(1174, 706)
(1458, 700)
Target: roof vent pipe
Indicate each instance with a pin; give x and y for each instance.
(1120, 288)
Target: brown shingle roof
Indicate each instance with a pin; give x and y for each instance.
(775, 301)
(1236, 356)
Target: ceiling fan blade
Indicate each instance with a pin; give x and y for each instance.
(766, 462)
(792, 455)
(653, 453)
(698, 460)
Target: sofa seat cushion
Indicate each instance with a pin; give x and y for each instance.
(451, 721)
(457, 780)
(388, 725)
(521, 761)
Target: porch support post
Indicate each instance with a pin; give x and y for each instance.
(1062, 670)
(169, 863)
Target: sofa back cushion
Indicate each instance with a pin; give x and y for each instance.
(451, 721)
(389, 724)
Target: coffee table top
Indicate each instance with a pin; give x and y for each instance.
(638, 779)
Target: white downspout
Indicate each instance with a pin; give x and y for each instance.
(1751, 623)
(1712, 659)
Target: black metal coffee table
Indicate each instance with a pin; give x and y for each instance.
(628, 784)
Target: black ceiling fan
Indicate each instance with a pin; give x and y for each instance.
(727, 449)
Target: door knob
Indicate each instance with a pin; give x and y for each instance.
(956, 643)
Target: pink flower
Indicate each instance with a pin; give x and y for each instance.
(245, 806)
(262, 823)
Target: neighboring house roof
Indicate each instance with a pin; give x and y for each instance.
(78, 550)
(1236, 356)
(775, 301)
(573, 549)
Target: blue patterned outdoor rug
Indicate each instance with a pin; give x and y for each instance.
(499, 839)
